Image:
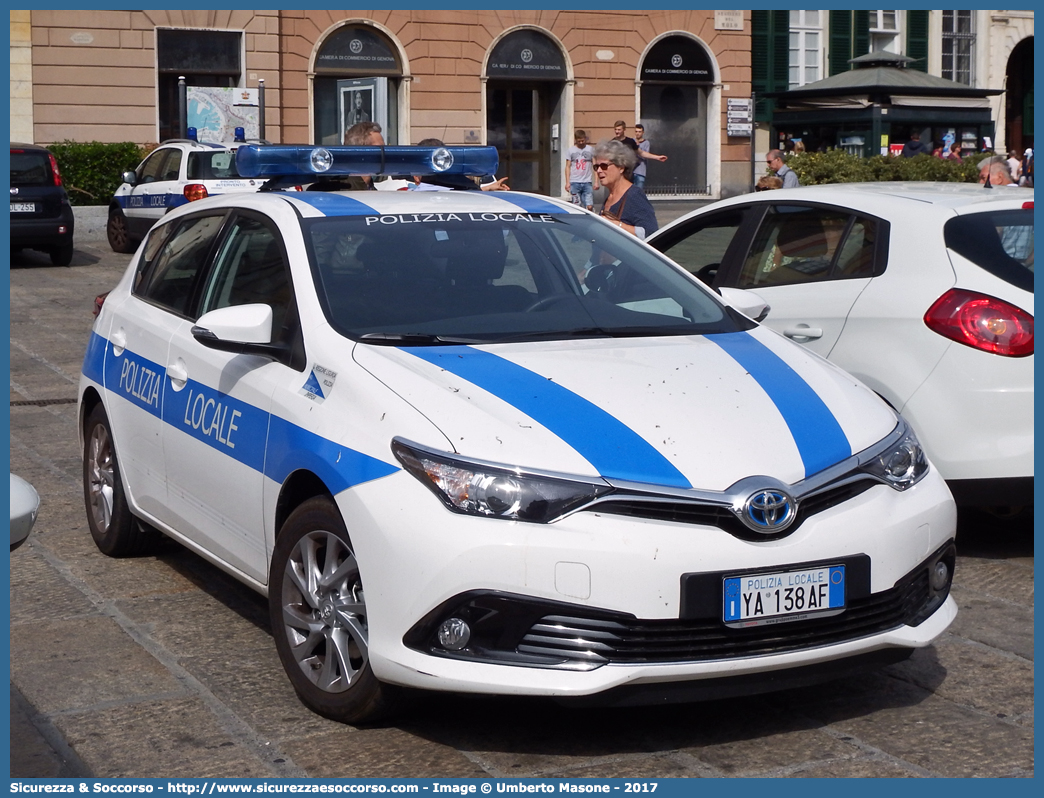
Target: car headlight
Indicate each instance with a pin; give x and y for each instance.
(901, 466)
(493, 491)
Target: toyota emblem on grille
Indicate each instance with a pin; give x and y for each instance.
(769, 511)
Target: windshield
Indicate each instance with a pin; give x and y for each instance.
(487, 277)
(1001, 242)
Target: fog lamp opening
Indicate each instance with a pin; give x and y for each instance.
(940, 576)
(454, 634)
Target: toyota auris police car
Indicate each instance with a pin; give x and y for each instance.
(177, 172)
(487, 442)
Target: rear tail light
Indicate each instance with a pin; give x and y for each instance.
(195, 191)
(54, 169)
(982, 322)
(98, 302)
(1027, 206)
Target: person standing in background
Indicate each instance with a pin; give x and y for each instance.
(643, 155)
(579, 175)
(774, 159)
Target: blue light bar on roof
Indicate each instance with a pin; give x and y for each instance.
(278, 160)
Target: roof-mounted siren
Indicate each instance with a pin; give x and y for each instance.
(311, 163)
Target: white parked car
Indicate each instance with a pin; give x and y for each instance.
(487, 442)
(924, 291)
(25, 503)
(175, 173)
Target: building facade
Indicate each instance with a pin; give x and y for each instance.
(987, 50)
(523, 81)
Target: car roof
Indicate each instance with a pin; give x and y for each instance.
(887, 199)
(948, 195)
(18, 145)
(427, 205)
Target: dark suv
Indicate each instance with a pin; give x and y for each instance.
(41, 216)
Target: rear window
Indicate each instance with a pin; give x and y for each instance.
(1001, 242)
(30, 169)
(212, 166)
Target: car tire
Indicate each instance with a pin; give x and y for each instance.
(61, 256)
(118, 233)
(321, 630)
(115, 531)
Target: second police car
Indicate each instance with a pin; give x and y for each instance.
(177, 172)
(488, 442)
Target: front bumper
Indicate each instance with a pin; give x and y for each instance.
(420, 558)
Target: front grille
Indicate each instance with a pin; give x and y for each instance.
(629, 641)
(692, 512)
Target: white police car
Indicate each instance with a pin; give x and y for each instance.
(488, 442)
(177, 172)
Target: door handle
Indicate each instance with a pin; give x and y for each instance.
(178, 374)
(803, 333)
(118, 341)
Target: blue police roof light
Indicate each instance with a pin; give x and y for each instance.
(277, 160)
(191, 133)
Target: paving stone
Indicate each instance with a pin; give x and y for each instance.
(378, 753)
(168, 739)
(73, 664)
(995, 623)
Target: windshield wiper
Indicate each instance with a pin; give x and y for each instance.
(417, 338)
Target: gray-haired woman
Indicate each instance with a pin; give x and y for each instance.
(626, 206)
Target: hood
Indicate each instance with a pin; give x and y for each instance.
(695, 411)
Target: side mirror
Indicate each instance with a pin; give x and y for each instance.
(241, 329)
(747, 302)
(130, 178)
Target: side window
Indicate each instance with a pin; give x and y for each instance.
(168, 278)
(151, 167)
(250, 269)
(701, 246)
(797, 244)
(172, 166)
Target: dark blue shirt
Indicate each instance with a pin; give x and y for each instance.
(635, 209)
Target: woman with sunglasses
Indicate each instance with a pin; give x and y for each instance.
(626, 206)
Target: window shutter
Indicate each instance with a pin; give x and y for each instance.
(769, 58)
(861, 34)
(840, 42)
(917, 39)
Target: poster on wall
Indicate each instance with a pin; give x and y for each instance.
(216, 112)
(363, 100)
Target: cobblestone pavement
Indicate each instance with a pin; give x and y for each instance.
(162, 666)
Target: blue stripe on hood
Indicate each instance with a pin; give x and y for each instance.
(617, 451)
(334, 204)
(819, 438)
(530, 204)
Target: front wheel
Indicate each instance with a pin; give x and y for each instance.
(117, 232)
(115, 531)
(318, 611)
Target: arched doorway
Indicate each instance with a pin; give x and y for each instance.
(677, 74)
(358, 72)
(525, 77)
(1018, 104)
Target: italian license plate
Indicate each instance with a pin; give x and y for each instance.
(757, 599)
(23, 207)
